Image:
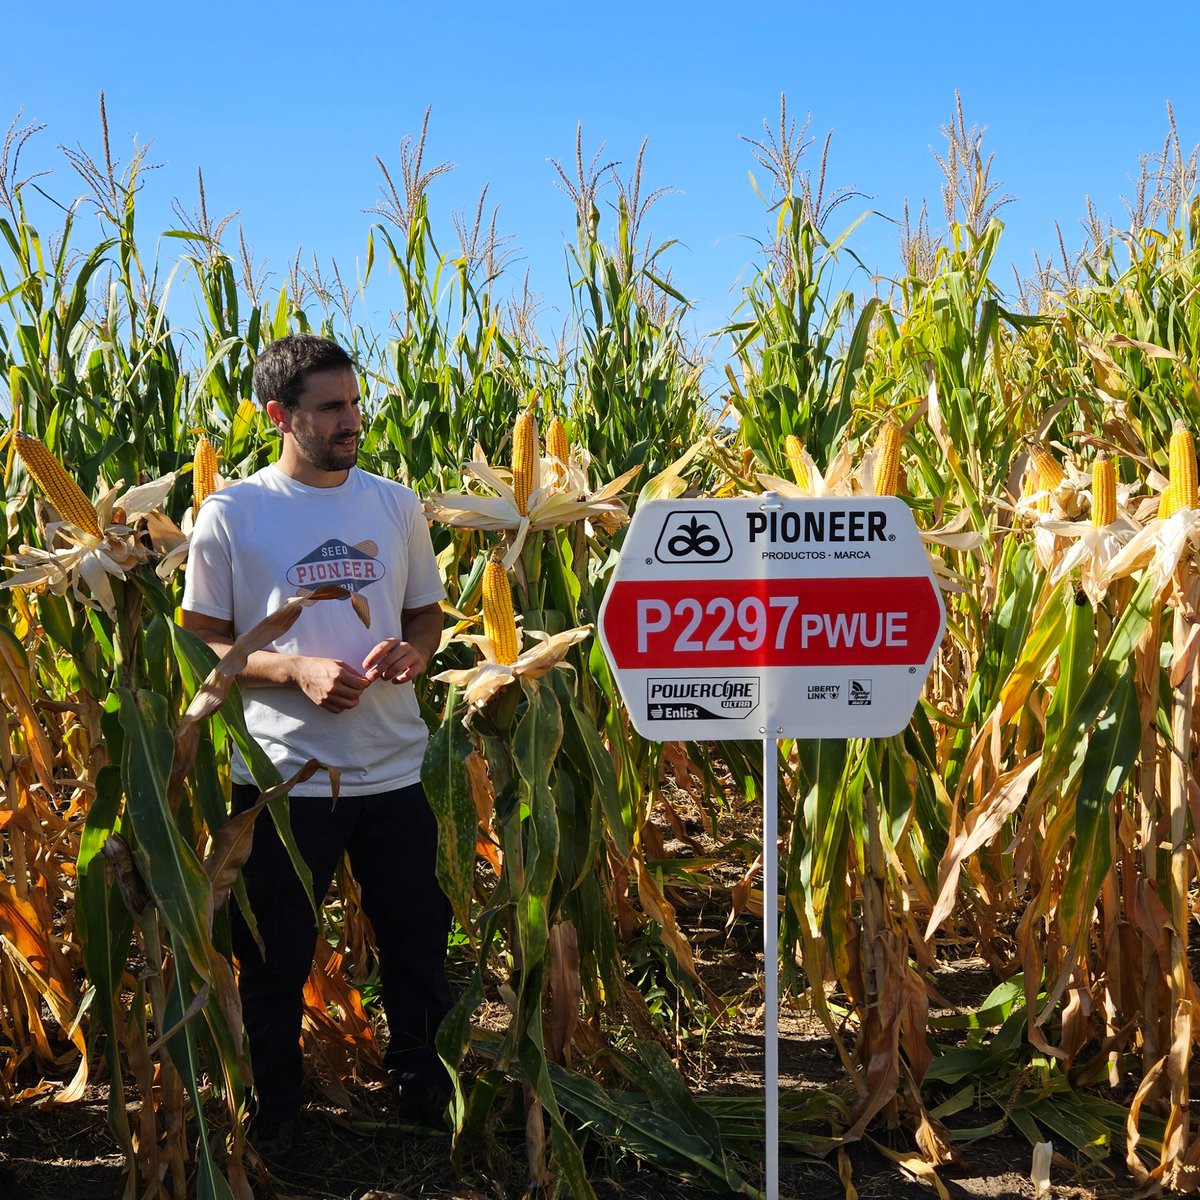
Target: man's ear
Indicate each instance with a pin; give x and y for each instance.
(279, 416)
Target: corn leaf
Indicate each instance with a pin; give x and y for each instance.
(448, 789)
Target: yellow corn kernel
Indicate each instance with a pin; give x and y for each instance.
(524, 458)
(204, 472)
(1049, 469)
(793, 448)
(1029, 482)
(1183, 467)
(59, 488)
(1049, 473)
(558, 448)
(1166, 502)
(1104, 491)
(499, 624)
(887, 460)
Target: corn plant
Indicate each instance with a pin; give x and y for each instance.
(1038, 808)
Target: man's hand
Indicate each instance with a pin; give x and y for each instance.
(394, 660)
(330, 683)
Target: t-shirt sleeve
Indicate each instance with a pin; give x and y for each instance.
(209, 582)
(424, 580)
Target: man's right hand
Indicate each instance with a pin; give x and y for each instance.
(327, 682)
(330, 683)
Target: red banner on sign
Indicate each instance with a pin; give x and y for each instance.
(652, 624)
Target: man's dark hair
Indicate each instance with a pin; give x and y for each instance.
(283, 368)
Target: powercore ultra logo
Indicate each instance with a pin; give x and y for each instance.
(693, 536)
(729, 699)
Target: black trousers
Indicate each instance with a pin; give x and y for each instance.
(391, 839)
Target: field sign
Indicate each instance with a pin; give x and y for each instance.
(768, 617)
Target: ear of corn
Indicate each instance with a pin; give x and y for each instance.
(524, 458)
(204, 472)
(558, 448)
(1166, 502)
(1182, 468)
(793, 447)
(499, 623)
(1104, 491)
(1049, 473)
(59, 488)
(1029, 484)
(887, 461)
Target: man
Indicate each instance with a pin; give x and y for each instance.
(333, 690)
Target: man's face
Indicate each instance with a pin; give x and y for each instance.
(326, 421)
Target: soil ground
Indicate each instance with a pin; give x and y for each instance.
(51, 1152)
(67, 1153)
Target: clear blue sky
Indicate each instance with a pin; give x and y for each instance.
(286, 106)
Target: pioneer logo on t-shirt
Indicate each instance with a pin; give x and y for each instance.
(334, 561)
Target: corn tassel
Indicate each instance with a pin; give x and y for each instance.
(558, 448)
(1049, 473)
(499, 624)
(887, 460)
(204, 473)
(793, 448)
(1104, 491)
(524, 458)
(1183, 468)
(59, 488)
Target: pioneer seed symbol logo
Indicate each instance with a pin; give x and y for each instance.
(693, 536)
(693, 540)
(334, 561)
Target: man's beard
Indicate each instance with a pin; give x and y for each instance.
(324, 455)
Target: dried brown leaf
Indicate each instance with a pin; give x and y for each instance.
(232, 842)
(565, 990)
(214, 691)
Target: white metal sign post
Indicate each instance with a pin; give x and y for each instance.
(770, 618)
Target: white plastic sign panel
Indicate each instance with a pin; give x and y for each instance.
(768, 617)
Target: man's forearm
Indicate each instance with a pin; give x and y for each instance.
(423, 631)
(327, 682)
(264, 668)
(272, 668)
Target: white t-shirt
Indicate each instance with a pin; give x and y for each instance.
(255, 544)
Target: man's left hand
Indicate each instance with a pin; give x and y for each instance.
(395, 661)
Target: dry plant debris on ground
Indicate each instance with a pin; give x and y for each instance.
(67, 1152)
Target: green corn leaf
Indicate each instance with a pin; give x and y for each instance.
(646, 1133)
(197, 660)
(168, 863)
(211, 1184)
(1056, 769)
(535, 744)
(1074, 667)
(1112, 752)
(444, 776)
(105, 924)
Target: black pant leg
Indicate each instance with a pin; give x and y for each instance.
(393, 854)
(272, 987)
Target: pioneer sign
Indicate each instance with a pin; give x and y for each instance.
(768, 617)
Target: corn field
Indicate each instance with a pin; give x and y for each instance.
(1040, 811)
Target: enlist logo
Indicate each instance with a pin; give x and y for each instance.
(726, 699)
